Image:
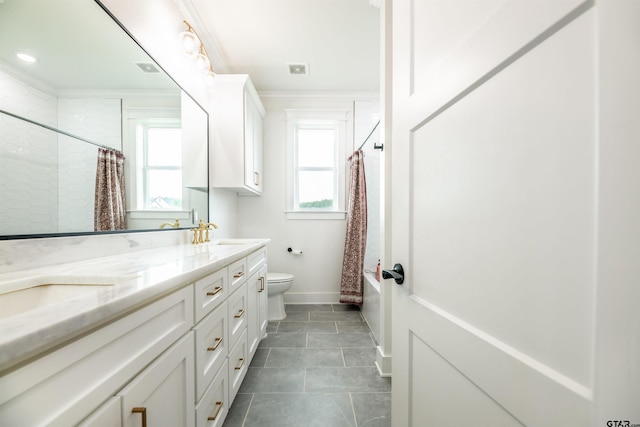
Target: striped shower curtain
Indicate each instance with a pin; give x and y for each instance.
(109, 208)
(355, 244)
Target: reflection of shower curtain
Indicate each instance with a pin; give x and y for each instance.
(109, 209)
(356, 240)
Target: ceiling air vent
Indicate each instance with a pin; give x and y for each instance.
(299, 69)
(148, 67)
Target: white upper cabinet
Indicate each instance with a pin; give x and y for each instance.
(236, 135)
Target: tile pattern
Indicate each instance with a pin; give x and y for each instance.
(315, 368)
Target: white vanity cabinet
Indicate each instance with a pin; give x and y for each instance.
(236, 135)
(64, 386)
(178, 361)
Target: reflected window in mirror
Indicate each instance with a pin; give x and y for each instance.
(159, 165)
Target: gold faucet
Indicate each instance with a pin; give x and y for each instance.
(201, 234)
(171, 224)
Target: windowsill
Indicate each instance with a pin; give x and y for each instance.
(332, 215)
(159, 214)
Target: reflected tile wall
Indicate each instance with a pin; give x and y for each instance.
(95, 119)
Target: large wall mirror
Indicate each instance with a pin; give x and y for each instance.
(91, 89)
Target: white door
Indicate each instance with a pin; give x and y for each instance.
(514, 154)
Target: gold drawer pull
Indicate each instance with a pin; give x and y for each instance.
(141, 410)
(261, 284)
(215, 346)
(216, 291)
(238, 275)
(240, 313)
(241, 364)
(219, 405)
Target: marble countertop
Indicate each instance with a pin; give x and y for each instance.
(135, 280)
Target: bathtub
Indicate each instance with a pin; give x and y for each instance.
(371, 304)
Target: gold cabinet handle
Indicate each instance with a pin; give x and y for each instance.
(216, 291)
(219, 405)
(238, 275)
(261, 284)
(215, 346)
(240, 313)
(241, 360)
(141, 410)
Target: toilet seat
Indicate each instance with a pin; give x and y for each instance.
(279, 277)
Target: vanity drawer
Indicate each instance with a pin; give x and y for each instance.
(237, 314)
(210, 291)
(237, 274)
(213, 408)
(256, 260)
(211, 347)
(238, 365)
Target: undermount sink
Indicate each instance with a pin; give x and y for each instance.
(223, 243)
(29, 295)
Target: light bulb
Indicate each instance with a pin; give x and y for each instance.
(209, 77)
(202, 62)
(190, 42)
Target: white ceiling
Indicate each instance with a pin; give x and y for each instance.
(338, 39)
(78, 47)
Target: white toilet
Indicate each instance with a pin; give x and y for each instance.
(277, 285)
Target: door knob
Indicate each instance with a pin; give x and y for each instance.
(397, 274)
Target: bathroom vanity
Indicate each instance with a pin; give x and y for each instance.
(161, 336)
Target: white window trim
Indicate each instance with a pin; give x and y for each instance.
(132, 117)
(337, 118)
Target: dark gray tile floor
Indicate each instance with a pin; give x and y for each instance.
(315, 368)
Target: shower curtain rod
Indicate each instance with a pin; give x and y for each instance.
(60, 131)
(377, 147)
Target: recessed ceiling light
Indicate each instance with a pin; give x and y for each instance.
(26, 58)
(147, 67)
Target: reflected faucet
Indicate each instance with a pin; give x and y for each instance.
(171, 224)
(201, 234)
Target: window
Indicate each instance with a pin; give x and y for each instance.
(316, 164)
(159, 165)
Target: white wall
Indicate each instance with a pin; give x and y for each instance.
(317, 271)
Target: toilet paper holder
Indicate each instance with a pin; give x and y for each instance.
(294, 251)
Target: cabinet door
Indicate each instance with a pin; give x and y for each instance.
(257, 150)
(262, 304)
(108, 415)
(256, 309)
(254, 286)
(252, 144)
(163, 393)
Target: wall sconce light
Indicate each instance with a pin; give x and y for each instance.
(194, 48)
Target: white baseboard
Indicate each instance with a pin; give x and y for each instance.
(312, 298)
(383, 363)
